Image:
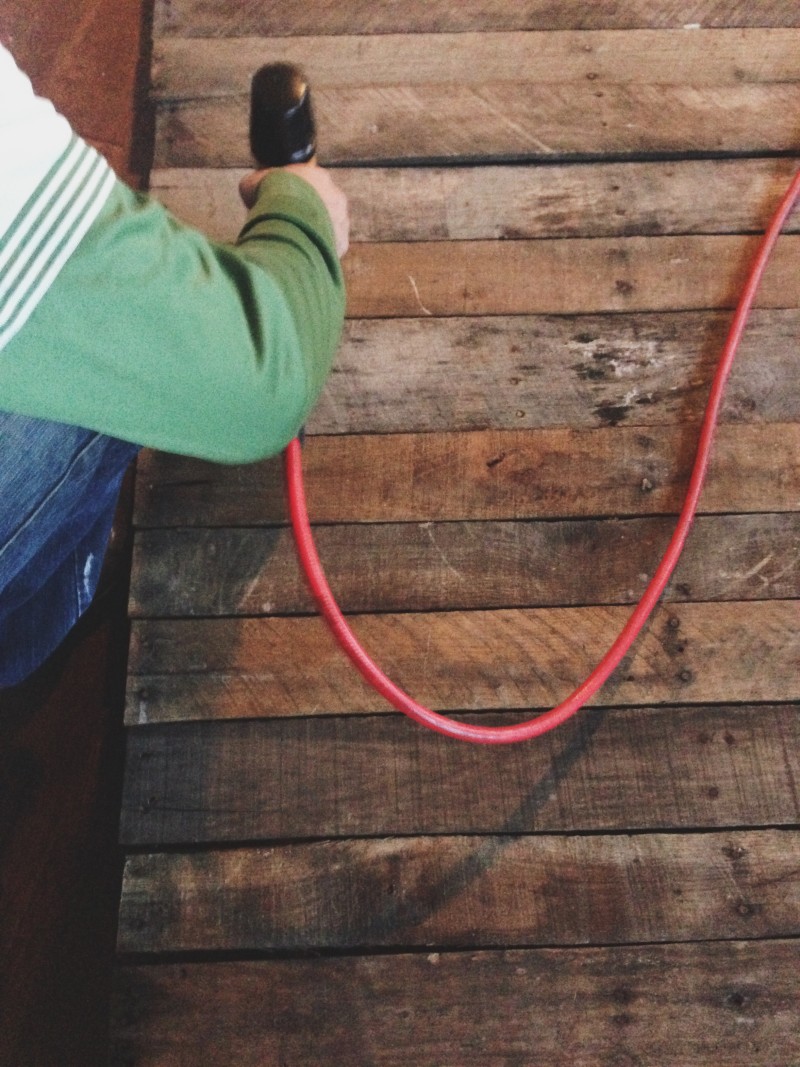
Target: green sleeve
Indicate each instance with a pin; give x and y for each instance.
(154, 334)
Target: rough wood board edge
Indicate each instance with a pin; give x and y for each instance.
(513, 202)
(464, 892)
(216, 68)
(429, 124)
(274, 17)
(639, 768)
(537, 474)
(672, 1005)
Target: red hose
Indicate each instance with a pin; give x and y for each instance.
(328, 607)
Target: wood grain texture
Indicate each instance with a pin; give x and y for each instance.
(512, 202)
(429, 123)
(494, 469)
(447, 566)
(492, 475)
(268, 18)
(464, 892)
(214, 68)
(563, 277)
(672, 1005)
(258, 668)
(621, 770)
(517, 372)
(527, 372)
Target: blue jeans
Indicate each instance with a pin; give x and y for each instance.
(58, 492)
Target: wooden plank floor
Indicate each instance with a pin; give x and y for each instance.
(553, 208)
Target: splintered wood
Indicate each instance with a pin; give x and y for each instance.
(554, 207)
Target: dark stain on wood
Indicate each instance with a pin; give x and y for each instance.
(535, 311)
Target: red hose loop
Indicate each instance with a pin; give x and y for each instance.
(539, 725)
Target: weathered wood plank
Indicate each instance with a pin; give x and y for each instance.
(213, 68)
(493, 475)
(258, 668)
(294, 752)
(673, 1005)
(447, 566)
(426, 123)
(553, 276)
(269, 18)
(512, 202)
(521, 372)
(343, 777)
(459, 892)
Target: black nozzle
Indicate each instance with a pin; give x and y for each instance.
(281, 120)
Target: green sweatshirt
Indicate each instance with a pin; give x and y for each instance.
(153, 334)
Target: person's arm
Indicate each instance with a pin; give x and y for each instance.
(152, 333)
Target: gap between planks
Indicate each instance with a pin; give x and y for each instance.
(437, 477)
(427, 124)
(269, 18)
(710, 989)
(512, 202)
(672, 1005)
(459, 892)
(606, 770)
(403, 567)
(212, 68)
(225, 669)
